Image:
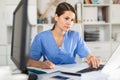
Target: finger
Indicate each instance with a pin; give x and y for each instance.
(94, 62)
(50, 64)
(89, 63)
(98, 62)
(47, 66)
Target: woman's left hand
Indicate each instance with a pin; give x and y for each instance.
(93, 61)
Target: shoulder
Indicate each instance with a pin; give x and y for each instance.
(72, 33)
(43, 34)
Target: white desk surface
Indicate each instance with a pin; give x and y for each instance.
(6, 74)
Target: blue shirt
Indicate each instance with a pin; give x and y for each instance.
(72, 44)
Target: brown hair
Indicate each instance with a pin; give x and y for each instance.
(61, 8)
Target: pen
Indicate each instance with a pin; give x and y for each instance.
(44, 58)
(70, 73)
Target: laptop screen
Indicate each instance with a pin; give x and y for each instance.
(113, 62)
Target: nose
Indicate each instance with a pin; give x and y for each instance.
(69, 22)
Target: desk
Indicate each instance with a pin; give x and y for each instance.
(6, 74)
(49, 76)
(90, 76)
(97, 75)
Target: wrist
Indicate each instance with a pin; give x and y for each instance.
(90, 56)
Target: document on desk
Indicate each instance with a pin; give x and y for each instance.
(62, 68)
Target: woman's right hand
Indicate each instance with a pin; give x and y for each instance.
(47, 65)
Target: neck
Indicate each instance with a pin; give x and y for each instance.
(58, 35)
(58, 32)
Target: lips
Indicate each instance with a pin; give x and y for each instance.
(67, 27)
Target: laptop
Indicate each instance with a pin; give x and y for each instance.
(112, 64)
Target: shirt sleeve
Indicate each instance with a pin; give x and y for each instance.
(82, 50)
(36, 48)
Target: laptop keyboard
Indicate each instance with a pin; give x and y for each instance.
(89, 69)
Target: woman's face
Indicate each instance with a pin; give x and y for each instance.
(65, 21)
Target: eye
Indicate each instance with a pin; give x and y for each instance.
(72, 20)
(67, 18)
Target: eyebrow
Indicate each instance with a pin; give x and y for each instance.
(69, 17)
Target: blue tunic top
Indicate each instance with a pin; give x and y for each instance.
(72, 44)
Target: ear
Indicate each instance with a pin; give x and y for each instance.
(56, 17)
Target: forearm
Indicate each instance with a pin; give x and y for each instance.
(33, 63)
(40, 64)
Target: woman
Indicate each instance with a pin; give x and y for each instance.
(60, 44)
